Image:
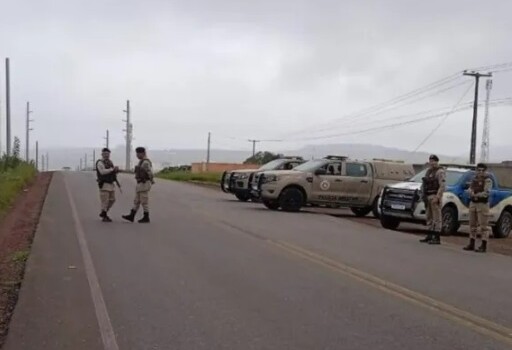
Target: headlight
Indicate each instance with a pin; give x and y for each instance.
(270, 178)
(242, 176)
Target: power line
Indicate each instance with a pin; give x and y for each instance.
(392, 101)
(377, 113)
(443, 120)
(414, 121)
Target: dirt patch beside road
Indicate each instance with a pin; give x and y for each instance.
(17, 230)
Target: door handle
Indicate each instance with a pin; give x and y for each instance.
(364, 181)
(338, 180)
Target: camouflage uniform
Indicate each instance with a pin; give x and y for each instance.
(434, 185)
(106, 172)
(479, 192)
(145, 179)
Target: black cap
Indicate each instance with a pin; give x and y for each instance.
(105, 150)
(481, 166)
(140, 150)
(434, 157)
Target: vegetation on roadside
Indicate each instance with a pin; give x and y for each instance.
(180, 175)
(15, 174)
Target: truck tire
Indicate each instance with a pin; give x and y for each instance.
(503, 225)
(243, 197)
(223, 178)
(375, 207)
(389, 222)
(360, 212)
(272, 205)
(291, 199)
(450, 220)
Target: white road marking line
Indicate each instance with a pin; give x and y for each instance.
(104, 323)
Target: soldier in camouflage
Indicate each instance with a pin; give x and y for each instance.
(433, 187)
(106, 176)
(479, 192)
(144, 178)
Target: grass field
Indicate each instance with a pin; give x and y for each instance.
(188, 176)
(13, 178)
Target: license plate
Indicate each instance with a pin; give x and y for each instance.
(398, 206)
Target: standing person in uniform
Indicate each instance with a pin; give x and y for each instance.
(433, 187)
(144, 178)
(479, 193)
(106, 174)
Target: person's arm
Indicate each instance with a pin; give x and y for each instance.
(487, 189)
(441, 177)
(102, 170)
(147, 167)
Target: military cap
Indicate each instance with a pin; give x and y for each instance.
(434, 157)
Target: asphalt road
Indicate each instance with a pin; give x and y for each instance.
(212, 273)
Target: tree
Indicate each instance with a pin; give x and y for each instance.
(16, 147)
(262, 158)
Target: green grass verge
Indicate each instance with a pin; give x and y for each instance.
(12, 181)
(188, 176)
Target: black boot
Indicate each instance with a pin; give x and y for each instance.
(103, 214)
(106, 218)
(471, 245)
(428, 238)
(145, 218)
(130, 217)
(482, 248)
(436, 239)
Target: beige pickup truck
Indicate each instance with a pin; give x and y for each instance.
(333, 180)
(238, 182)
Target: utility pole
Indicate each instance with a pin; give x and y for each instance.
(128, 130)
(1, 131)
(37, 155)
(208, 150)
(107, 141)
(27, 131)
(93, 159)
(484, 151)
(47, 162)
(42, 162)
(476, 75)
(253, 146)
(7, 107)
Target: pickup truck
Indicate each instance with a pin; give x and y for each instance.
(238, 182)
(402, 202)
(332, 180)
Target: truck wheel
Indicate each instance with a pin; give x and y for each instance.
(375, 207)
(272, 205)
(223, 178)
(360, 212)
(450, 221)
(291, 199)
(243, 197)
(503, 225)
(389, 222)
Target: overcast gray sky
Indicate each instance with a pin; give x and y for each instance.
(257, 69)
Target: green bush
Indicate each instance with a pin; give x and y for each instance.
(15, 174)
(188, 176)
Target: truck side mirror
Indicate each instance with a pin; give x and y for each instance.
(320, 171)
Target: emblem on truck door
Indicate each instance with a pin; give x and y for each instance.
(324, 185)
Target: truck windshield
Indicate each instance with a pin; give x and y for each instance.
(311, 165)
(452, 177)
(271, 165)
